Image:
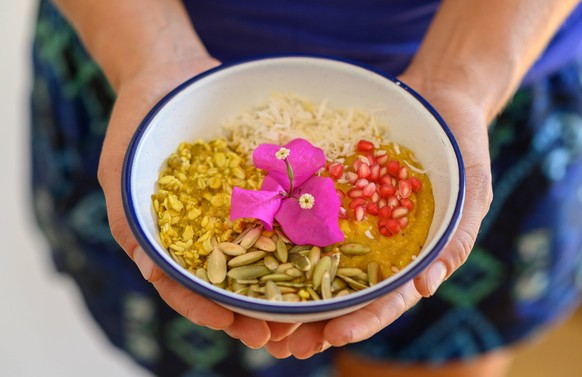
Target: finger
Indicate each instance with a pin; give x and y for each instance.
(254, 333)
(307, 340)
(192, 306)
(280, 330)
(365, 322)
(278, 349)
(457, 251)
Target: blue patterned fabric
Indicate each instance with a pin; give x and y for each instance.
(525, 272)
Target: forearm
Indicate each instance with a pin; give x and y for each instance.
(485, 47)
(124, 36)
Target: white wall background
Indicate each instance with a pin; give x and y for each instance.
(44, 328)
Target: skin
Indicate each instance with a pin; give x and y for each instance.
(470, 63)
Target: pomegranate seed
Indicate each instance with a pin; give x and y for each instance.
(355, 193)
(392, 202)
(356, 164)
(385, 232)
(364, 146)
(375, 172)
(361, 183)
(376, 197)
(403, 221)
(394, 182)
(385, 212)
(382, 222)
(359, 213)
(404, 188)
(372, 209)
(382, 160)
(343, 213)
(382, 203)
(383, 171)
(357, 202)
(369, 190)
(407, 203)
(416, 184)
(351, 177)
(387, 190)
(399, 212)
(386, 179)
(364, 171)
(393, 226)
(393, 168)
(403, 173)
(340, 193)
(336, 170)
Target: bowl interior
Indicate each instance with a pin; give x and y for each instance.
(199, 107)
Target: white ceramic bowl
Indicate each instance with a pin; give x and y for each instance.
(196, 108)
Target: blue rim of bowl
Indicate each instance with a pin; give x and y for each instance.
(268, 306)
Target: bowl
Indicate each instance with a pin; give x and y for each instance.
(195, 108)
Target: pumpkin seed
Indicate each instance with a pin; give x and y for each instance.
(291, 297)
(251, 237)
(282, 236)
(277, 277)
(285, 290)
(354, 249)
(338, 284)
(326, 286)
(271, 262)
(247, 281)
(342, 293)
(350, 272)
(231, 249)
(299, 261)
(265, 243)
(245, 259)
(313, 294)
(374, 273)
(216, 267)
(296, 273)
(320, 268)
(363, 277)
(298, 248)
(272, 292)
(354, 284)
(281, 251)
(314, 257)
(202, 275)
(283, 267)
(242, 235)
(248, 272)
(335, 261)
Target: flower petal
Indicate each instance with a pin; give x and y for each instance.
(318, 225)
(261, 205)
(305, 160)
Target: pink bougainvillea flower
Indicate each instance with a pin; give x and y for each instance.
(312, 219)
(305, 159)
(306, 206)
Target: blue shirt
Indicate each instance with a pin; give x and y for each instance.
(383, 33)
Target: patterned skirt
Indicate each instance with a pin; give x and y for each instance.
(524, 273)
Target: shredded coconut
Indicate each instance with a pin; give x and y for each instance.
(285, 117)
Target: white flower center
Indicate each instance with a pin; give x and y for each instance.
(306, 201)
(282, 153)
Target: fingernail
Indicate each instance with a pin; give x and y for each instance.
(436, 275)
(144, 263)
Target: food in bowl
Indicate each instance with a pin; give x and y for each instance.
(384, 204)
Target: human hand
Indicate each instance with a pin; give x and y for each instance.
(468, 122)
(137, 94)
